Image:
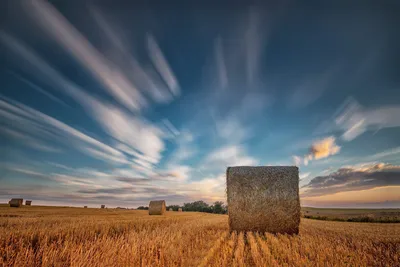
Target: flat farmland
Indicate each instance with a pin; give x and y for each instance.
(58, 236)
(373, 215)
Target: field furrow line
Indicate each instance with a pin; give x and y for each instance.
(239, 257)
(269, 259)
(211, 253)
(258, 259)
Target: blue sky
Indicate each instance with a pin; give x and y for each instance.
(123, 103)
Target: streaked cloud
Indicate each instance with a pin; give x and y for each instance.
(77, 139)
(145, 77)
(133, 131)
(161, 65)
(40, 90)
(385, 154)
(352, 119)
(140, 135)
(54, 23)
(310, 90)
(254, 38)
(29, 141)
(220, 62)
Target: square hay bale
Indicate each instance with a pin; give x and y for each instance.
(157, 207)
(180, 209)
(103, 206)
(170, 209)
(16, 202)
(85, 207)
(263, 199)
(28, 202)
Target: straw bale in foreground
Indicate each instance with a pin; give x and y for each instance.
(264, 199)
(157, 207)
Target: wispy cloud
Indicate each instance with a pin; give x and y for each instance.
(185, 148)
(220, 62)
(352, 119)
(30, 141)
(161, 65)
(133, 131)
(74, 42)
(40, 90)
(147, 79)
(231, 130)
(140, 135)
(385, 154)
(79, 140)
(232, 155)
(254, 39)
(310, 90)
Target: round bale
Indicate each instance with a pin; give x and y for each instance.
(157, 207)
(264, 199)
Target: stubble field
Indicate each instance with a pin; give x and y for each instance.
(55, 236)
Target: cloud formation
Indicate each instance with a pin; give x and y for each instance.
(232, 155)
(38, 123)
(319, 149)
(324, 148)
(352, 119)
(353, 178)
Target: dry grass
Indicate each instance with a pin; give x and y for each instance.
(49, 236)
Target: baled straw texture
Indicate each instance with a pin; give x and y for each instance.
(16, 202)
(85, 207)
(170, 209)
(103, 206)
(28, 202)
(263, 199)
(157, 207)
(180, 209)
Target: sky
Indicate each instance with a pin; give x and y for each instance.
(123, 102)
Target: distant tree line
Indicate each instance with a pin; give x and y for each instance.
(200, 206)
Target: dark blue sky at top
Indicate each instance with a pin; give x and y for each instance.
(312, 56)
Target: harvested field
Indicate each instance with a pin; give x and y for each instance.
(355, 215)
(52, 236)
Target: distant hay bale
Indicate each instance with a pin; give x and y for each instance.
(85, 207)
(170, 209)
(103, 206)
(157, 207)
(16, 202)
(263, 199)
(180, 209)
(28, 202)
